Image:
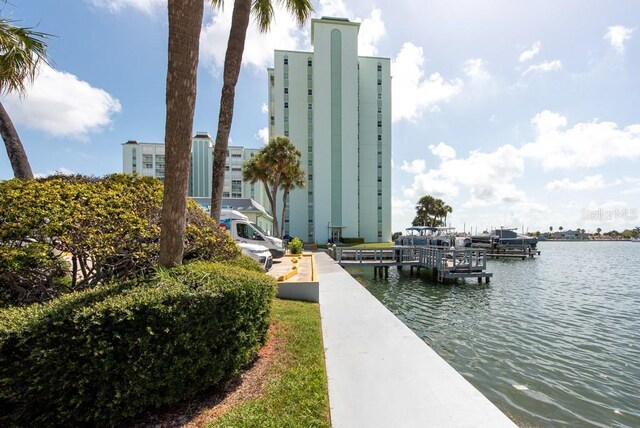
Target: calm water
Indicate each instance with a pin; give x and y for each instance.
(566, 326)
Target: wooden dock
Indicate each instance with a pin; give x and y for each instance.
(444, 263)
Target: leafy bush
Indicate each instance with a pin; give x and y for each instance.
(245, 262)
(353, 240)
(94, 357)
(295, 246)
(108, 227)
(30, 273)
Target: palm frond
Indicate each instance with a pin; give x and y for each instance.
(264, 13)
(21, 51)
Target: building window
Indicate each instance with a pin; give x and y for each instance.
(236, 186)
(379, 124)
(379, 179)
(310, 177)
(225, 194)
(379, 96)
(236, 169)
(309, 91)
(286, 90)
(286, 133)
(236, 155)
(379, 137)
(272, 80)
(379, 109)
(379, 67)
(379, 82)
(286, 104)
(286, 60)
(309, 63)
(286, 75)
(286, 119)
(226, 167)
(236, 195)
(309, 106)
(273, 120)
(379, 234)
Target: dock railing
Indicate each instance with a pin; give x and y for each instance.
(441, 258)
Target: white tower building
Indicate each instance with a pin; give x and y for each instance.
(336, 108)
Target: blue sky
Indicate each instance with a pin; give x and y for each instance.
(522, 114)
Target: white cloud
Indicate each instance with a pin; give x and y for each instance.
(264, 108)
(584, 145)
(114, 6)
(443, 151)
(334, 8)
(259, 47)
(416, 166)
(60, 171)
(61, 104)
(476, 69)
(263, 135)
(403, 211)
(617, 35)
(590, 182)
(284, 34)
(530, 53)
(412, 93)
(544, 67)
(487, 177)
(372, 29)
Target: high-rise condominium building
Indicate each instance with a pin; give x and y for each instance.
(335, 106)
(147, 159)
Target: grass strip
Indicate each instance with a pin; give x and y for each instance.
(296, 395)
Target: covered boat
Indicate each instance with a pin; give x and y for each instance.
(504, 238)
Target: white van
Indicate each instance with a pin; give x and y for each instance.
(243, 231)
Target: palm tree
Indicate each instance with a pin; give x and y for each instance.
(21, 52)
(185, 23)
(263, 12)
(446, 209)
(277, 166)
(424, 208)
(293, 178)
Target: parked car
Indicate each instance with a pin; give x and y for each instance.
(259, 253)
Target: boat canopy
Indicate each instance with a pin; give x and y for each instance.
(422, 230)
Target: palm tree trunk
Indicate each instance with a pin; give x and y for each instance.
(232, 63)
(272, 200)
(285, 195)
(185, 22)
(15, 149)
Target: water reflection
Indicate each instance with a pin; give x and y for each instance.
(564, 328)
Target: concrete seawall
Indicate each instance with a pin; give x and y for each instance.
(380, 373)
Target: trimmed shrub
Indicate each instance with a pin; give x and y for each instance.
(353, 240)
(98, 356)
(109, 228)
(295, 246)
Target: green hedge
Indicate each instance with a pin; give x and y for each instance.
(353, 240)
(97, 356)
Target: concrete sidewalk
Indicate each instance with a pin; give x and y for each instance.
(380, 373)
